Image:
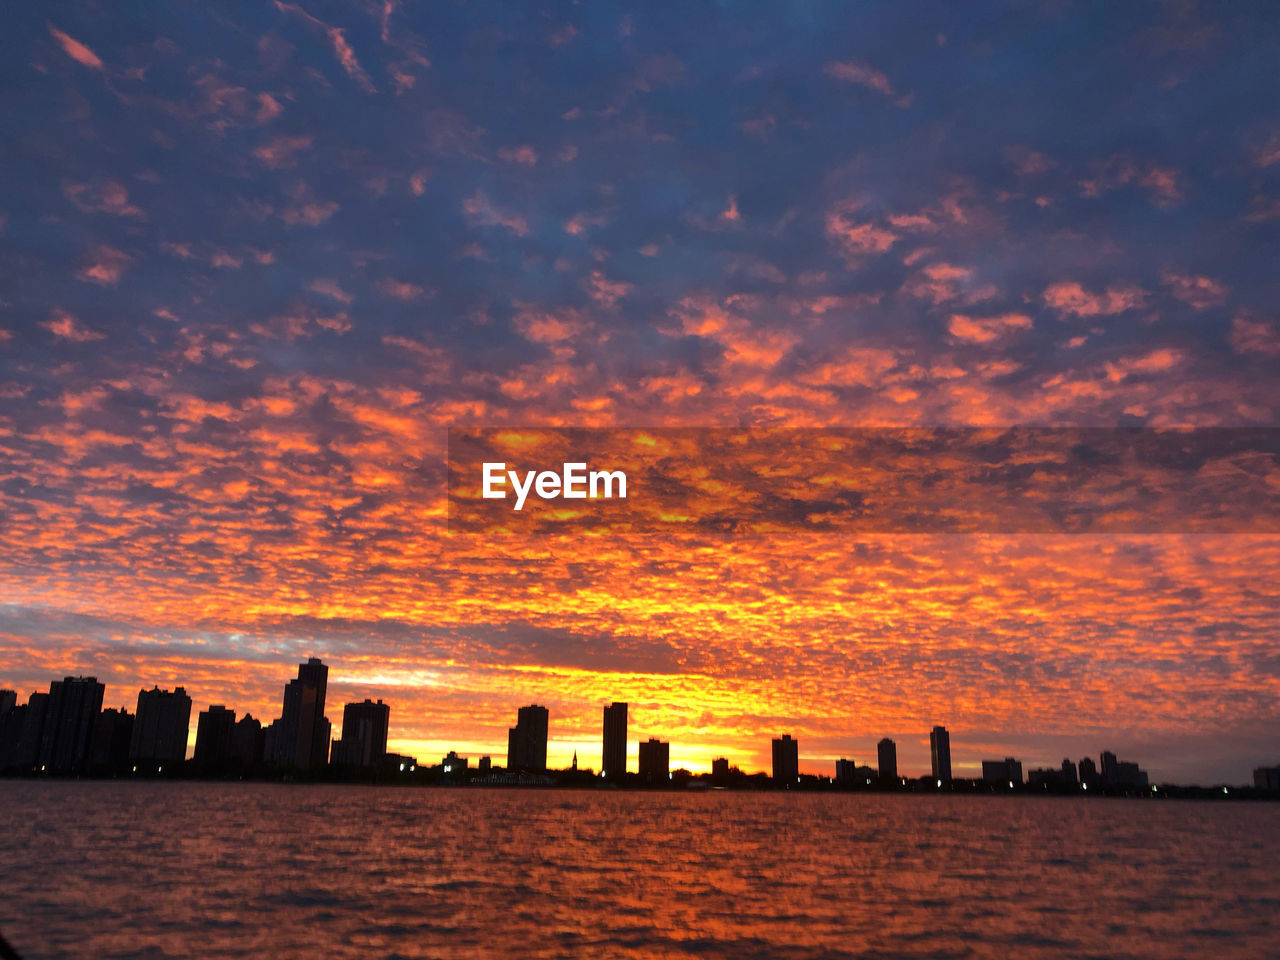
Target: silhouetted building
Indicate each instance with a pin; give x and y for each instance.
(846, 772)
(720, 768)
(109, 742)
(10, 733)
(613, 761)
(29, 726)
(940, 752)
(485, 764)
(1088, 772)
(1267, 778)
(887, 759)
(1060, 778)
(786, 760)
(247, 742)
(1007, 770)
(8, 701)
(214, 728)
(527, 740)
(399, 763)
(299, 738)
(1118, 773)
(73, 704)
(453, 765)
(655, 761)
(364, 734)
(160, 727)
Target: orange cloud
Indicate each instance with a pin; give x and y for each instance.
(985, 329)
(105, 266)
(856, 238)
(1254, 336)
(74, 49)
(1069, 297)
(63, 325)
(1199, 292)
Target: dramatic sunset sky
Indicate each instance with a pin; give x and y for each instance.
(257, 258)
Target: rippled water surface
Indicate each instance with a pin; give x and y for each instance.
(281, 871)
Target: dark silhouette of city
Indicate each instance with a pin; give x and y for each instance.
(67, 732)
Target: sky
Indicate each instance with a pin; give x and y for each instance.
(257, 258)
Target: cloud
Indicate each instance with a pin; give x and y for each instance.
(400, 289)
(104, 265)
(541, 326)
(857, 238)
(606, 292)
(109, 196)
(985, 329)
(1254, 336)
(74, 49)
(1161, 360)
(481, 212)
(338, 41)
(856, 72)
(281, 152)
(1027, 162)
(63, 325)
(330, 288)
(1196, 291)
(523, 154)
(1268, 152)
(580, 223)
(1163, 184)
(1069, 297)
(941, 282)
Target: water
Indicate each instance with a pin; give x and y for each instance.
(282, 871)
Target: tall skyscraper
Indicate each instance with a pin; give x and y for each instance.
(940, 750)
(655, 762)
(213, 737)
(887, 760)
(109, 742)
(1088, 772)
(26, 749)
(300, 737)
(160, 727)
(527, 740)
(8, 701)
(364, 734)
(786, 760)
(73, 704)
(613, 762)
(11, 724)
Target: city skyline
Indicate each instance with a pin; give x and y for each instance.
(258, 263)
(72, 711)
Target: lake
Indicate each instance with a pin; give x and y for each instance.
(183, 869)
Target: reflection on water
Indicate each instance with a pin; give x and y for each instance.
(280, 871)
